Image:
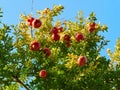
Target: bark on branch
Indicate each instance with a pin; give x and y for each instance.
(20, 82)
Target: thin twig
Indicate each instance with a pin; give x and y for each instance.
(20, 82)
(31, 15)
(32, 7)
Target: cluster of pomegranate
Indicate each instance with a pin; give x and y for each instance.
(35, 46)
(67, 37)
(55, 31)
(92, 27)
(36, 23)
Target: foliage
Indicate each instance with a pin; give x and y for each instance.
(115, 59)
(20, 66)
(115, 56)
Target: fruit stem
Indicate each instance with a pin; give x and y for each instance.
(31, 33)
(20, 82)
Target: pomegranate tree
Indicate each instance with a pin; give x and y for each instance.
(47, 54)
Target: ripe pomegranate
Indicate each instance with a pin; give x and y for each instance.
(82, 60)
(55, 37)
(43, 73)
(54, 30)
(47, 52)
(36, 23)
(79, 37)
(66, 38)
(35, 45)
(30, 20)
(92, 27)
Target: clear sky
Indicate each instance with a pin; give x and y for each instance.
(107, 12)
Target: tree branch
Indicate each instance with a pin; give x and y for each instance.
(20, 82)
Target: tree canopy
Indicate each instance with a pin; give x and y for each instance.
(42, 53)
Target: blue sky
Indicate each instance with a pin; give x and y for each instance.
(107, 12)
